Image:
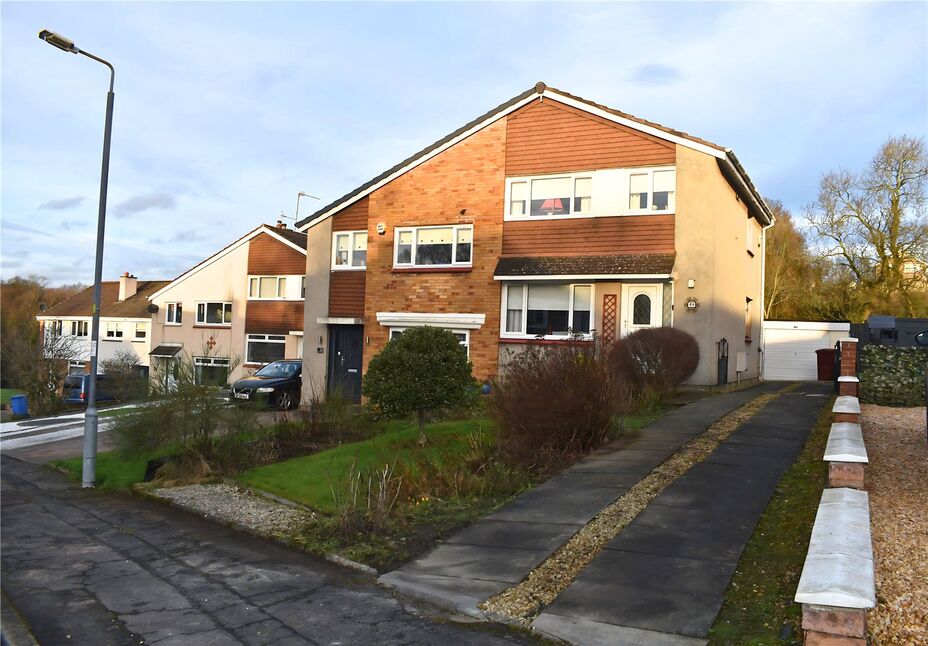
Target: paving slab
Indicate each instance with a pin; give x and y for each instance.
(595, 633)
(668, 570)
(501, 549)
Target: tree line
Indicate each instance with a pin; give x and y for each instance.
(860, 248)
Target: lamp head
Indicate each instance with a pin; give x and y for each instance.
(58, 41)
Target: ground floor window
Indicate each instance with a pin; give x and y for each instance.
(543, 309)
(462, 335)
(265, 348)
(211, 371)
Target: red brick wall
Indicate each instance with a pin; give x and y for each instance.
(470, 176)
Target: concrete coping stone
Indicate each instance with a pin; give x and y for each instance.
(848, 339)
(838, 569)
(846, 404)
(845, 444)
(848, 379)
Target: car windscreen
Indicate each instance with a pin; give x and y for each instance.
(73, 381)
(278, 370)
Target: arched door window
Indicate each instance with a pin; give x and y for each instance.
(641, 310)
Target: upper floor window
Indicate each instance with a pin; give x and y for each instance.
(79, 328)
(652, 190)
(53, 328)
(440, 246)
(545, 310)
(141, 331)
(214, 313)
(349, 250)
(263, 287)
(605, 192)
(173, 313)
(113, 331)
(302, 286)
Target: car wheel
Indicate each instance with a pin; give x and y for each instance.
(285, 401)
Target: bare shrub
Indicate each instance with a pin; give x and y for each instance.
(651, 364)
(125, 380)
(38, 365)
(552, 404)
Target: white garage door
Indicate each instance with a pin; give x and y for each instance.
(789, 347)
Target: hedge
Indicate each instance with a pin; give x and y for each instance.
(892, 376)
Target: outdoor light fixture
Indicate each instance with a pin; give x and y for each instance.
(91, 421)
(58, 41)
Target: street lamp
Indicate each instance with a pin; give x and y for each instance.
(90, 418)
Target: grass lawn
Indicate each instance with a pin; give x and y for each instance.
(114, 470)
(759, 601)
(7, 393)
(308, 479)
(116, 412)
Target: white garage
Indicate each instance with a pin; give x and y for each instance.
(789, 347)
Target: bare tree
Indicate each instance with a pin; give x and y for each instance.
(874, 223)
(39, 366)
(789, 268)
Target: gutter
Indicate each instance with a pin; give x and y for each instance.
(736, 169)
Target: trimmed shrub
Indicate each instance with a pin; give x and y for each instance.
(423, 369)
(552, 404)
(652, 363)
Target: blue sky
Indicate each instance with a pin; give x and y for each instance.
(225, 111)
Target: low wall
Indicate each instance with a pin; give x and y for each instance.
(892, 376)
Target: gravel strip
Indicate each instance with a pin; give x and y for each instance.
(230, 504)
(897, 480)
(523, 601)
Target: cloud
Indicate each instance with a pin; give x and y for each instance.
(63, 203)
(655, 74)
(69, 225)
(139, 203)
(189, 235)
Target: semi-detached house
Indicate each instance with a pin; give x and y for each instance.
(548, 217)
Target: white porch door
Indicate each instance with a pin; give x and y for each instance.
(642, 306)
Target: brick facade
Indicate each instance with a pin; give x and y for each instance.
(465, 184)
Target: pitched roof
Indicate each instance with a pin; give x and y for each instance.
(295, 239)
(81, 304)
(731, 167)
(633, 264)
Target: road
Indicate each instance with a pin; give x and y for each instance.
(32, 432)
(91, 567)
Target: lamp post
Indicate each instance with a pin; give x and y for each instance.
(91, 420)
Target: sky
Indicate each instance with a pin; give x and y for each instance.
(225, 111)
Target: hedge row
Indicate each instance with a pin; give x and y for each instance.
(892, 376)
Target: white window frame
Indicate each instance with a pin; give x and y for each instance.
(256, 280)
(204, 323)
(78, 326)
(115, 328)
(523, 334)
(54, 327)
(350, 266)
(650, 173)
(168, 310)
(597, 203)
(135, 334)
(466, 333)
(264, 338)
(415, 240)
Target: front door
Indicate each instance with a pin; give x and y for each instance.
(345, 348)
(642, 307)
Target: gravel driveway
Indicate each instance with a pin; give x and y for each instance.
(898, 486)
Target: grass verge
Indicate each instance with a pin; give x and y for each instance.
(7, 393)
(114, 470)
(758, 608)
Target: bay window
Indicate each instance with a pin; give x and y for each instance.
(440, 246)
(349, 250)
(214, 313)
(547, 310)
(265, 348)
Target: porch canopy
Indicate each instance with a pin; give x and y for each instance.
(165, 351)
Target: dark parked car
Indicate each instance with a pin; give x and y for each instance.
(76, 387)
(276, 385)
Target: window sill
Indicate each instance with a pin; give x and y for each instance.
(349, 268)
(432, 270)
(533, 218)
(112, 340)
(213, 327)
(535, 341)
(138, 340)
(173, 324)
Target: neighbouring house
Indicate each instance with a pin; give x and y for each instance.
(125, 322)
(237, 310)
(548, 217)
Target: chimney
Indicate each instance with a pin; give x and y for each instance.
(128, 285)
(281, 224)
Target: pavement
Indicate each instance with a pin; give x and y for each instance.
(500, 550)
(663, 579)
(93, 567)
(44, 430)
